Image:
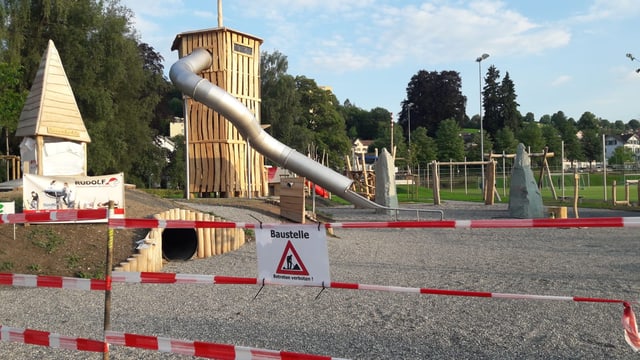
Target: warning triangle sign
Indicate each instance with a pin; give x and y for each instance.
(290, 263)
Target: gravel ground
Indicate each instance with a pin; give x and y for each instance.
(376, 325)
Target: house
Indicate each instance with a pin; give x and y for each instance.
(360, 147)
(629, 141)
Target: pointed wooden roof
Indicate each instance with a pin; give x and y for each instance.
(51, 108)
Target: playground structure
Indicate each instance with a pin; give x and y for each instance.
(162, 245)
(491, 175)
(183, 75)
(627, 188)
(221, 163)
(364, 179)
(12, 166)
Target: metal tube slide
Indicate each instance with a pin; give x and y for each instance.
(183, 75)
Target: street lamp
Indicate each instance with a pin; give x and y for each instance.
(409, 105)
(479, 61)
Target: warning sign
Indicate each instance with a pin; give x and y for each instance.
(290, 264)
(293, 254)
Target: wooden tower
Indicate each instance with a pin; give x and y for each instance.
(221, 163)
(55, 138)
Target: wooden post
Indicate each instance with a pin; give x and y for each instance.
(200, 233)
(613, 192)
(626, 193)
(217, 240)
(209, 246)
(107, 278)
(436, 183)
(576, 182)
(490, 183)
(553, 188)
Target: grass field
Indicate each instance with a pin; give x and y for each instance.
(590, 190)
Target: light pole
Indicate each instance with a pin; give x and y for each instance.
(409, 105)
(479, 61)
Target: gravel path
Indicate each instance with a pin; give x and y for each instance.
(376, 325)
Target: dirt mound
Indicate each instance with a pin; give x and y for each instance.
(72, 249)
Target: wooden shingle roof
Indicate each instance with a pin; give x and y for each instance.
(51, 108)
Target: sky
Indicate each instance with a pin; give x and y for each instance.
(567, 55)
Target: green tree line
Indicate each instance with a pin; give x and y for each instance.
(126, 101)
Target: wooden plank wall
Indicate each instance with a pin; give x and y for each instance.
(220, 161)
(292, 199)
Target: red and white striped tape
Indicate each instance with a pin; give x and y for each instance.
(162, 344)
(45, 338)
(51, 216)
(628, 318)
(60, 282)
(629, 323)
(613, 222)
(203, 349)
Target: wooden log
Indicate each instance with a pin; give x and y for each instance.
(217, 237)
(208, 245)
(200, 235)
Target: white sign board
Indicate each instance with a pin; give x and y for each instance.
(8, 207)
(49, 193)
(293, 254)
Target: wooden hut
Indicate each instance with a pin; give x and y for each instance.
(55, 138)
(221, 163)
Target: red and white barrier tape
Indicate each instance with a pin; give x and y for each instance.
(613, 222)
(629, 323)
(162, 344)
(60, 282)
(51, 216)
(203, 349)
(628, 318)
(45, 338)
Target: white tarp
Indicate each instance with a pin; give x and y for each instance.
(47, 193)
(60, 157)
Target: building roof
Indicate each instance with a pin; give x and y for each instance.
(51, 108)
(176, 41)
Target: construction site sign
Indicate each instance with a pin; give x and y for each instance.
(291, 254)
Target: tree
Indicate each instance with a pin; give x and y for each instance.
(529, 117)
(509, 107)
(320, 116)
(116, 95)
(621, 155)
(591, 145)
(588, 121)
(568, 132)
(360, 123)
(12, 97)
(545, 119)
(553, 141)
(473, 149)
(174, 172)
(531, 136)
(492, 102)
(435, 97)
(450, 144)
(280, 102)
(423, 147)
(506, 141)
(634, 124)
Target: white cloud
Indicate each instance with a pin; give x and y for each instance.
(609, 9)
(561, 80)
(440, 34)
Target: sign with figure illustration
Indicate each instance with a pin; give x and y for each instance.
(49, 193)
(7, 207)
(291, 254)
